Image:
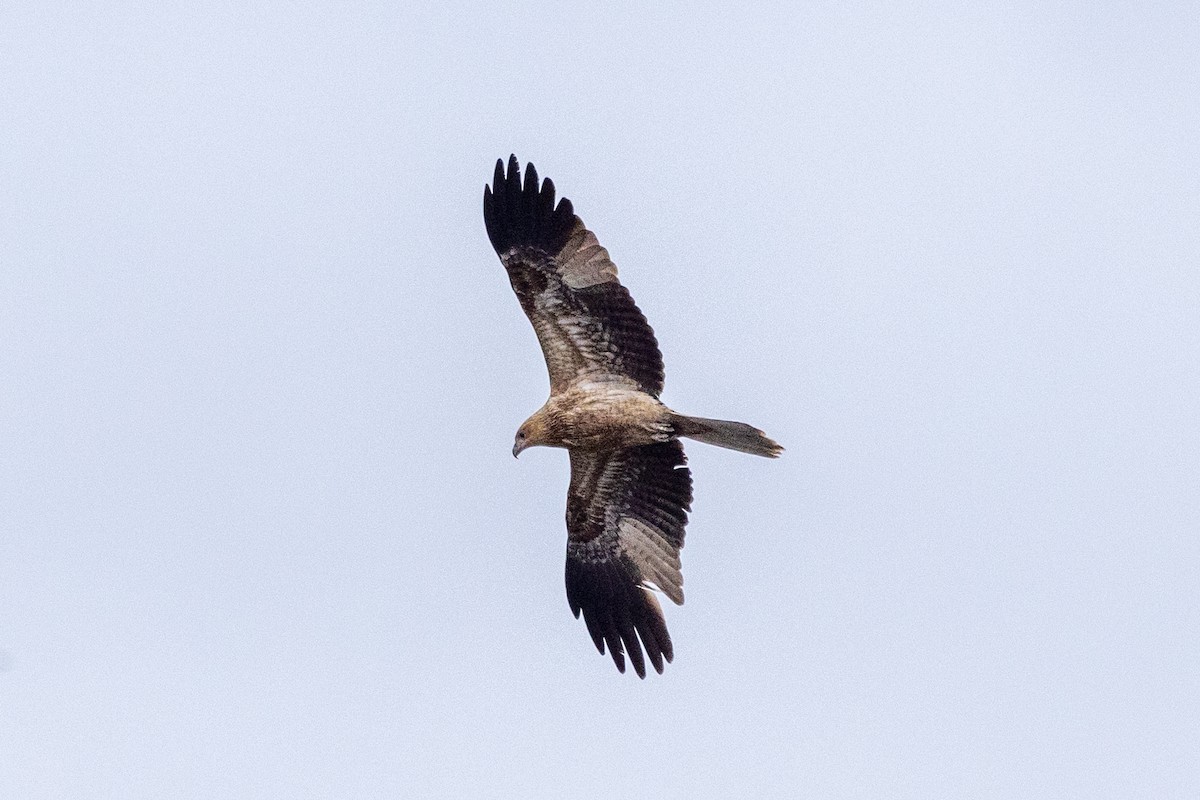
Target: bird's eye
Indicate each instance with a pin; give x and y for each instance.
(520, 434)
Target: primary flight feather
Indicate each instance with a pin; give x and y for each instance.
(630, 490)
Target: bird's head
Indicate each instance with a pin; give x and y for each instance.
(531, 433)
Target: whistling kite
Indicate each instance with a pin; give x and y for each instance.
(630, 487)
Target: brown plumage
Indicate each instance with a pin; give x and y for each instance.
(630, 487)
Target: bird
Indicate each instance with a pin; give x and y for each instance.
(631, 489)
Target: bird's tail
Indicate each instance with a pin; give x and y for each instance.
(732, 435)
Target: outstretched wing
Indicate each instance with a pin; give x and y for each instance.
(626, 511)
(588, 325)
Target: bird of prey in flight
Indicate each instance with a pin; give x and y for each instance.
(630, 489)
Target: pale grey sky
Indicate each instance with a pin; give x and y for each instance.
(262, 534)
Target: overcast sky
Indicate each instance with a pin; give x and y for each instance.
(261, 534)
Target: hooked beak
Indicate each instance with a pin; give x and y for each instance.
(517, 448)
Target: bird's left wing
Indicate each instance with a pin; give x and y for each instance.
(626, 512)
(586, 322)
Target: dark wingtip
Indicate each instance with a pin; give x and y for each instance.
(639, 666)
(521, 213)
(622, 617)
(498, 176)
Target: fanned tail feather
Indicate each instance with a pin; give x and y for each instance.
(730, 435)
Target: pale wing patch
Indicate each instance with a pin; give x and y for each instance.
(583, 261)
(657, 560)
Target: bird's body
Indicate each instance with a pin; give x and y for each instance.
(630, 490)
(601, 415)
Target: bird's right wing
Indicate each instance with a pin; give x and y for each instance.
(626, 512)
(586, 322)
